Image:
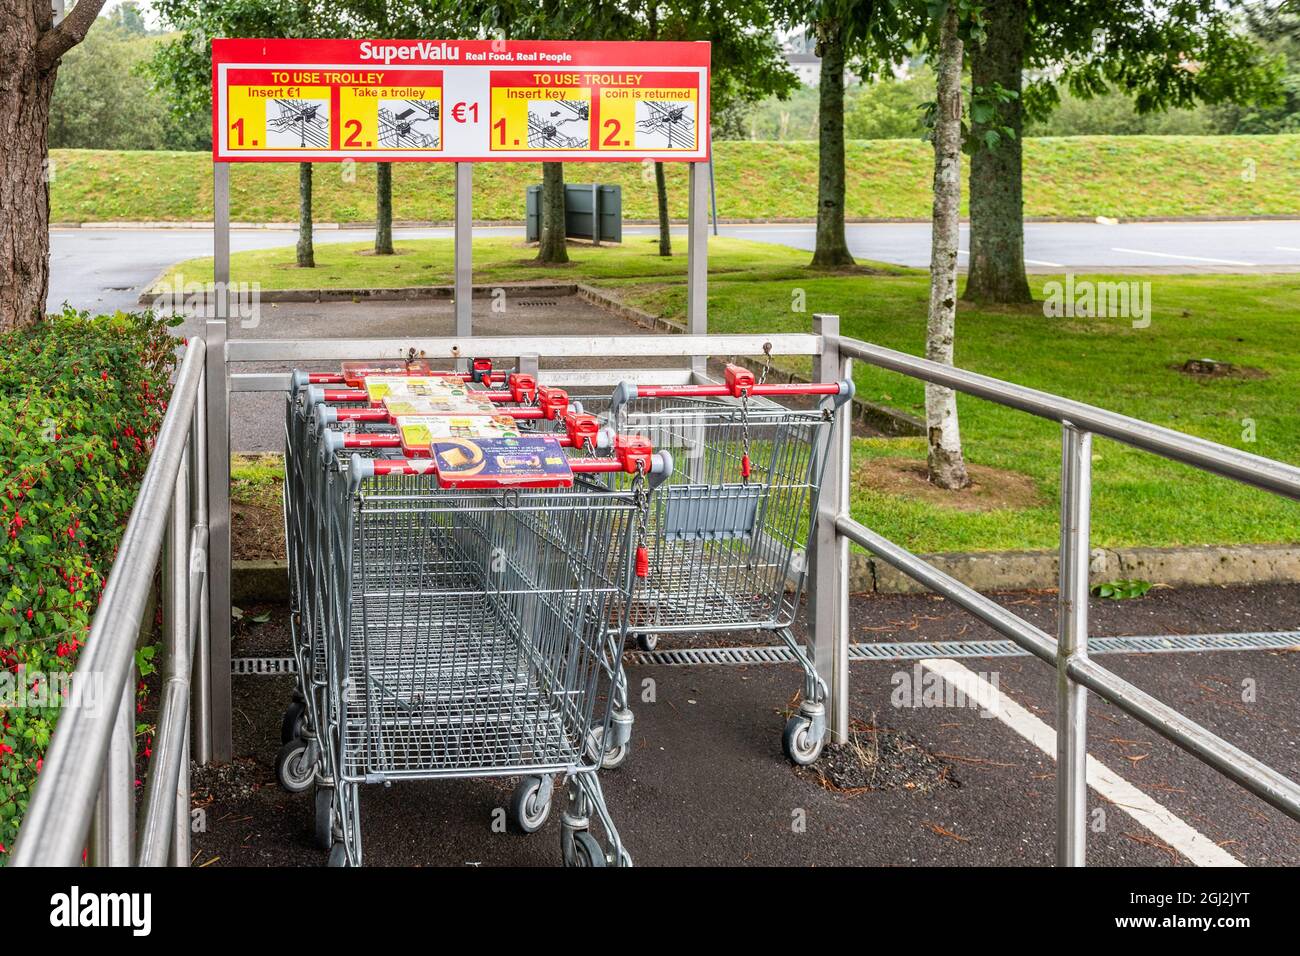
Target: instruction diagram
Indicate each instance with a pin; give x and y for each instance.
(559, 124)
(409, 124)
(298, 123)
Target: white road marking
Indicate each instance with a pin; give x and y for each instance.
(1172, 830)
(1288, 248)
(1170, 255)
(1032, 262)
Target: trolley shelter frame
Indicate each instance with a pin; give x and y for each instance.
(828, 557)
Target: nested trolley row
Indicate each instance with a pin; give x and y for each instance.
(452, 619)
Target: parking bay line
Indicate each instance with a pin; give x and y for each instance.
(1175, 832)
(1170, 255)
(1030, 262)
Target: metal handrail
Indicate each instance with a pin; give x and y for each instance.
(88, 772)
(1076, 672)
(1200, 453)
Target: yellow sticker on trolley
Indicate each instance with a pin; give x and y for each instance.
(379, 387)
(419, 432)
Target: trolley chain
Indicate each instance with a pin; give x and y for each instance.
(744, 413)
(641, 498)
(744, 435)
(767, 362)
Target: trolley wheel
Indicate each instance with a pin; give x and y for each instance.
(291, 725)
(324, 831)
(294, 767)
(527, 815)
(338, 855)
(615, 756)
(647, 642)
(586, 851)
(798, 743)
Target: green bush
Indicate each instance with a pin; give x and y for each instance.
(81, 400)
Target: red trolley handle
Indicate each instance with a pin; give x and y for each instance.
(657, 466)
(552, 403)
(480, 371)
(739, 383)
(337, 441)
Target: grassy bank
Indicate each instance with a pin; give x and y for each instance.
(1247, 320)
(1124, 177)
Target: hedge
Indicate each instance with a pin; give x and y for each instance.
(81, 400)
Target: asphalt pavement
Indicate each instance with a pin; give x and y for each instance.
(106, 269)
(706, 783)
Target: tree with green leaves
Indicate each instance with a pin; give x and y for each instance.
(1163, 53)
(536, 20)
(395, 20)
(746, 63)
(850, 34)
(31, 48)
(182, 67)
(102, 100)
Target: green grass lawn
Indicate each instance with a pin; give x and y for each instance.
(1138, 498)
(1121, 176)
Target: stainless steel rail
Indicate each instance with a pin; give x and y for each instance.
(89, 773)
(1068, 653)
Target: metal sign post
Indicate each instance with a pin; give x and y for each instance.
(218, 437)
(464, 241)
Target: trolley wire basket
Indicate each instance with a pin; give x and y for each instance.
(445, 631)
(730, 530)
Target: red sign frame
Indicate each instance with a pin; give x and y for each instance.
(278, 100)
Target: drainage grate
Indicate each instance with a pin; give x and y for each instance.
(897, 650)
(916, 650)
(267, 666)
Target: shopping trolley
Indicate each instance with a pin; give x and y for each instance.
(476, 631)
(308, 421)
(730, 530)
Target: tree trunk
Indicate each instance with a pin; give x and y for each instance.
(30, 48)
(552, 247)
(832, 249)
(306, 251)
(24, 191)
(947, 467)
(997, 215)
(661, 188)
(383, 209)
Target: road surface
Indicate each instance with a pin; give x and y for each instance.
(706, 783)
(105, 269)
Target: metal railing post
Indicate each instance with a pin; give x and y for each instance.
(1071, 647)
(697, 259)
(111, 835)
(160, 793)
(218, 452)
(201, 709)
(828, 573)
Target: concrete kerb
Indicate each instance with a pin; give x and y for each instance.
(292, 226)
